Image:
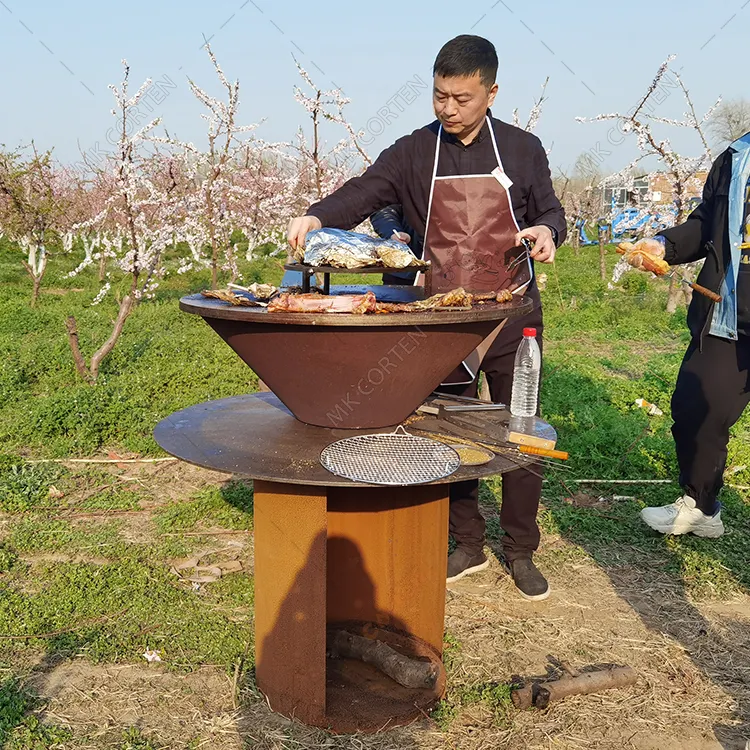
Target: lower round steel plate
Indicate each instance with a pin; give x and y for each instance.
(257, 436)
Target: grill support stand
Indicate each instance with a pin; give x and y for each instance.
(330, 554)
(326, 556)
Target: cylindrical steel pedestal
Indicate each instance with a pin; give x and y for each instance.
(370, 557)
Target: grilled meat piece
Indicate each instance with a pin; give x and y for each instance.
(357, 304)
(457, 299)
(395, 307)
(227, 295)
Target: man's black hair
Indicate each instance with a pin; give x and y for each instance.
(466, 55)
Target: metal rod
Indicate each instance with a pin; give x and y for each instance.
(468, 399)
(473, 407)
(518, 260)
(696, 287)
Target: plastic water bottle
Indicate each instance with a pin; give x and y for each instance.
(525, 393)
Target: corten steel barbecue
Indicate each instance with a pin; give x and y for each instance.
(331, 553)
(352, 371)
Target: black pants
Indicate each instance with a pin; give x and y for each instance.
(712, 391)
(521, 488)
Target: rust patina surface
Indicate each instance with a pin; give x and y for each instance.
(352, 371)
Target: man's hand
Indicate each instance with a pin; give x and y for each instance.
(544, 246)
(401, 237)
(298, 229)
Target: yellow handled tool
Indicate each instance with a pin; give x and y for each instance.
(548, 452)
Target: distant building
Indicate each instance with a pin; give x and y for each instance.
(620, 197)
(655, 188)
(660, 187)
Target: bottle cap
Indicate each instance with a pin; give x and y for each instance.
(529, 332)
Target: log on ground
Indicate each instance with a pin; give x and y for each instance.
(540, 694)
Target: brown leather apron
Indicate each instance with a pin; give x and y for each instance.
(470, 240)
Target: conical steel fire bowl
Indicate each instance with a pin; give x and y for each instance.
(352, 371)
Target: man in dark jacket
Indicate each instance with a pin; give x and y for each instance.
(713, 387)
(466, 142)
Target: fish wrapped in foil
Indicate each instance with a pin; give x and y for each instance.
(341, 249)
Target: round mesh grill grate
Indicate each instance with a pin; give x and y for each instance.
(396, 458)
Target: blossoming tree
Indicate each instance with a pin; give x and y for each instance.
(135, 224)
(33, 204)
(681, 171)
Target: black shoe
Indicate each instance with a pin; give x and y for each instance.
(463, 562)
(531, 584)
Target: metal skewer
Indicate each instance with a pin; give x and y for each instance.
(624, 247)
(695, 287)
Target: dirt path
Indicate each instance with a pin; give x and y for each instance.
(693, 660)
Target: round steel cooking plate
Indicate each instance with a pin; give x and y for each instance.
(396, 458)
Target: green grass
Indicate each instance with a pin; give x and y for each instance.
(19, 729)
(227, 507)
(83, 587)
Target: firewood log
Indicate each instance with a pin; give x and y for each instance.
(541, 694)
(411, 673)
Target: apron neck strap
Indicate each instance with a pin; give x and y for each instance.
(437, 157)
(494, 142)
(432, 183)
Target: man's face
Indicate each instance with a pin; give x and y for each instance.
(461, 102)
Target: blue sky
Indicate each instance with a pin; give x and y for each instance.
(600, 57)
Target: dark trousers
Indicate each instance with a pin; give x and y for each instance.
(521, 488)
(713, 389)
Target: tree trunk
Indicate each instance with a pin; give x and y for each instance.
(576, 239)
(91, 373)
(35, 290)
(214, 268)
(102, 266)
(602, 257)
(673, 296)
(36, 280)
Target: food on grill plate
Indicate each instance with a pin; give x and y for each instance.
(455, 298)
(393, 257)
(357, 304)
(342, 249)
(227, 295)
(648, 257)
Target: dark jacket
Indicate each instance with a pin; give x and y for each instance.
(391, 219)
(403, 172)
(705, 234)
(387, 221)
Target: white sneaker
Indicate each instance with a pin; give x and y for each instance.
(682, 517)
